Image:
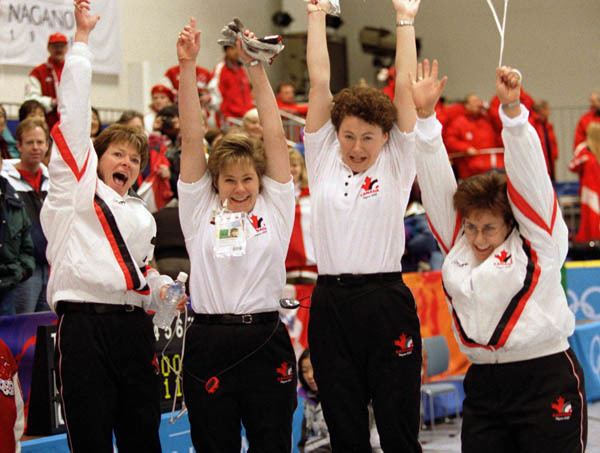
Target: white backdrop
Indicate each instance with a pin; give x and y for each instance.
(26, 24)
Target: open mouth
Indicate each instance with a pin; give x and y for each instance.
(120, 179)
(357, 160)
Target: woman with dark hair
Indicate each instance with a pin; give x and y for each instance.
(236, 213)
(96, 126)
(100, 240)
(364, 331)
(505, 242)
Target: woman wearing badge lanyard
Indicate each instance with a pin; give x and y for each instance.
(502, 277)
(236, 214)
(364, 330)
(99, 243)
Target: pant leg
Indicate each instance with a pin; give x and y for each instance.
(138, 404)
(268, 381)
(42, 303)
(25, 295)
(552, 418)
(339, 373)
(484, 427)
(7, 305)
(394, 366)
(215, 418)
(86, 382)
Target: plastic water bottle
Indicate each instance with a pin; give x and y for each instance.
(167, 308)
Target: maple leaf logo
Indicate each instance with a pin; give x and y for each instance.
(503, 257)
(368, 183)
(285, 372)
(404, 343)
(283, 369)
(562, 409)
(401, 341)
(256, 221)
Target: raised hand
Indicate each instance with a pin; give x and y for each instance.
(317, 5)
(84, 21)
(508, 85)
(188, 42)
(407, 9)
(426, 89)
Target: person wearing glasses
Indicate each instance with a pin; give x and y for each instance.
(505, 241)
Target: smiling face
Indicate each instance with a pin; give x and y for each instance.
(360, 143)
(485, 231)
(33, 146)
(119, 166)
(238, 183)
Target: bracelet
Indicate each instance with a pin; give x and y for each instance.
(512, 104)
(252, 63)
(405, 23)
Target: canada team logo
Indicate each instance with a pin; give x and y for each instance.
(369, 188)
(285, 373)
(561, 409)
(404, 345)
(258, 224)
(155, 364)
(503, 259)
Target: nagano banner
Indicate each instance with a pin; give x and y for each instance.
(26, 24)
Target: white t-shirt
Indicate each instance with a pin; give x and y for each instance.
(358, 220)
(251, 283)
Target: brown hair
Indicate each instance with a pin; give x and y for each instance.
(119, 133)
(128, 115)
(485, 192)
(31, 123)
(295, 156)
(367, 103)
(593, 139)
(236, 148)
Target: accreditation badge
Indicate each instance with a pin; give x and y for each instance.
(230, 234)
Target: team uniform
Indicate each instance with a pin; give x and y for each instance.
(12, 420)
(300, 262)
(99, 244)
(239, 362)
(230, 90)
(591, 116)
(364, 331)
(585, 163)
(524, 391)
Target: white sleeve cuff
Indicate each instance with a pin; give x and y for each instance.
(517, 121)
(428, 128)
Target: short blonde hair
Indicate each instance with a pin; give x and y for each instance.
(296, 157)
(236, 148)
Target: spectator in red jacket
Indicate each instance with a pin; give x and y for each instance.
(162, 96)
(12, 421)
(586, 162)
(591, 116)
(469, 136)
(286, 100)
(203, 76)
(230, 88)
(545, 129)
(44, 79)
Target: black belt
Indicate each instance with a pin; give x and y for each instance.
(250, 318)
(358, 279)
(63, 307)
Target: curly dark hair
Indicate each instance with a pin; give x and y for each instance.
(367, 103)
(482, 192)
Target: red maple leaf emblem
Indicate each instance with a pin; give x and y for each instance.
(367, 184)
(256, 222)
(283, 369)
(503, 256)
(401, 341)
(559, 406)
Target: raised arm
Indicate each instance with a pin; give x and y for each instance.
(529, 187)
(406, 61)
(73, 135)
(434, 172)
(276, 150)
(193, 161)
(319, 70)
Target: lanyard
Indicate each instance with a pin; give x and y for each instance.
(501, 28)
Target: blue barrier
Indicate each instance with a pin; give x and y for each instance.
(585, 342)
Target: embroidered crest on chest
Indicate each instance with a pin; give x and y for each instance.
(370, 188)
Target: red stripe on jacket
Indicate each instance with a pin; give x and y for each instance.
(66, 154)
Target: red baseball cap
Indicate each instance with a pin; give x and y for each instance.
(57, 38)
(163, 90)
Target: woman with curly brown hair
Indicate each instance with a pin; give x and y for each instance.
(505, 242)
(236, 213)
(364, 330)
